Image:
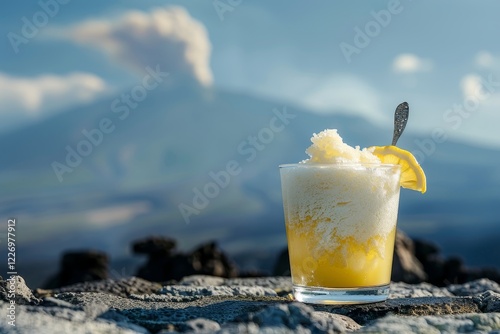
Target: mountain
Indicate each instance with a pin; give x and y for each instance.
(199, 164)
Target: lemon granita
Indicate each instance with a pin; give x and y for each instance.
(341, 209)
(328, 147)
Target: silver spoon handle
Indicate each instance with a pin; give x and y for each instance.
(400, 120)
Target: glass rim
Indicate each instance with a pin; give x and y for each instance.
(340, 165)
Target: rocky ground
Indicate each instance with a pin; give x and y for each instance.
(203, 291)
(208, 304)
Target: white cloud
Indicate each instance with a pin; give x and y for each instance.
(410, 63)
(333, 93)
(116, 215)
(168, 37)
(21, 98)
(471, 85)
(346, 93)
(487, 61)
(481, 102)
(484, 59)
(475, 87)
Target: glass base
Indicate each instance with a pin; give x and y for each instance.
(339, 296)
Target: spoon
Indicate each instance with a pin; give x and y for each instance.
(400, 120)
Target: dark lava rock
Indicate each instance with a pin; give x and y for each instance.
(405, 266)
(208, 259)
(80, 266)
(154, 246)
(282, 265)
(445, 271)
(164, 264)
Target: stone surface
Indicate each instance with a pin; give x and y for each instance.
(23, 295)
(207, 304)
(410, 306)
(297, 317)
(489, 301)
(474, 287)
(462, 323)
(275, 283)
(186, 293)
(404, 290)
(120, 287)
(58, 320)
(202, 280)
(199, 325)
(282, 285)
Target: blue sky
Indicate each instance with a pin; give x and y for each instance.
(435, 55)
